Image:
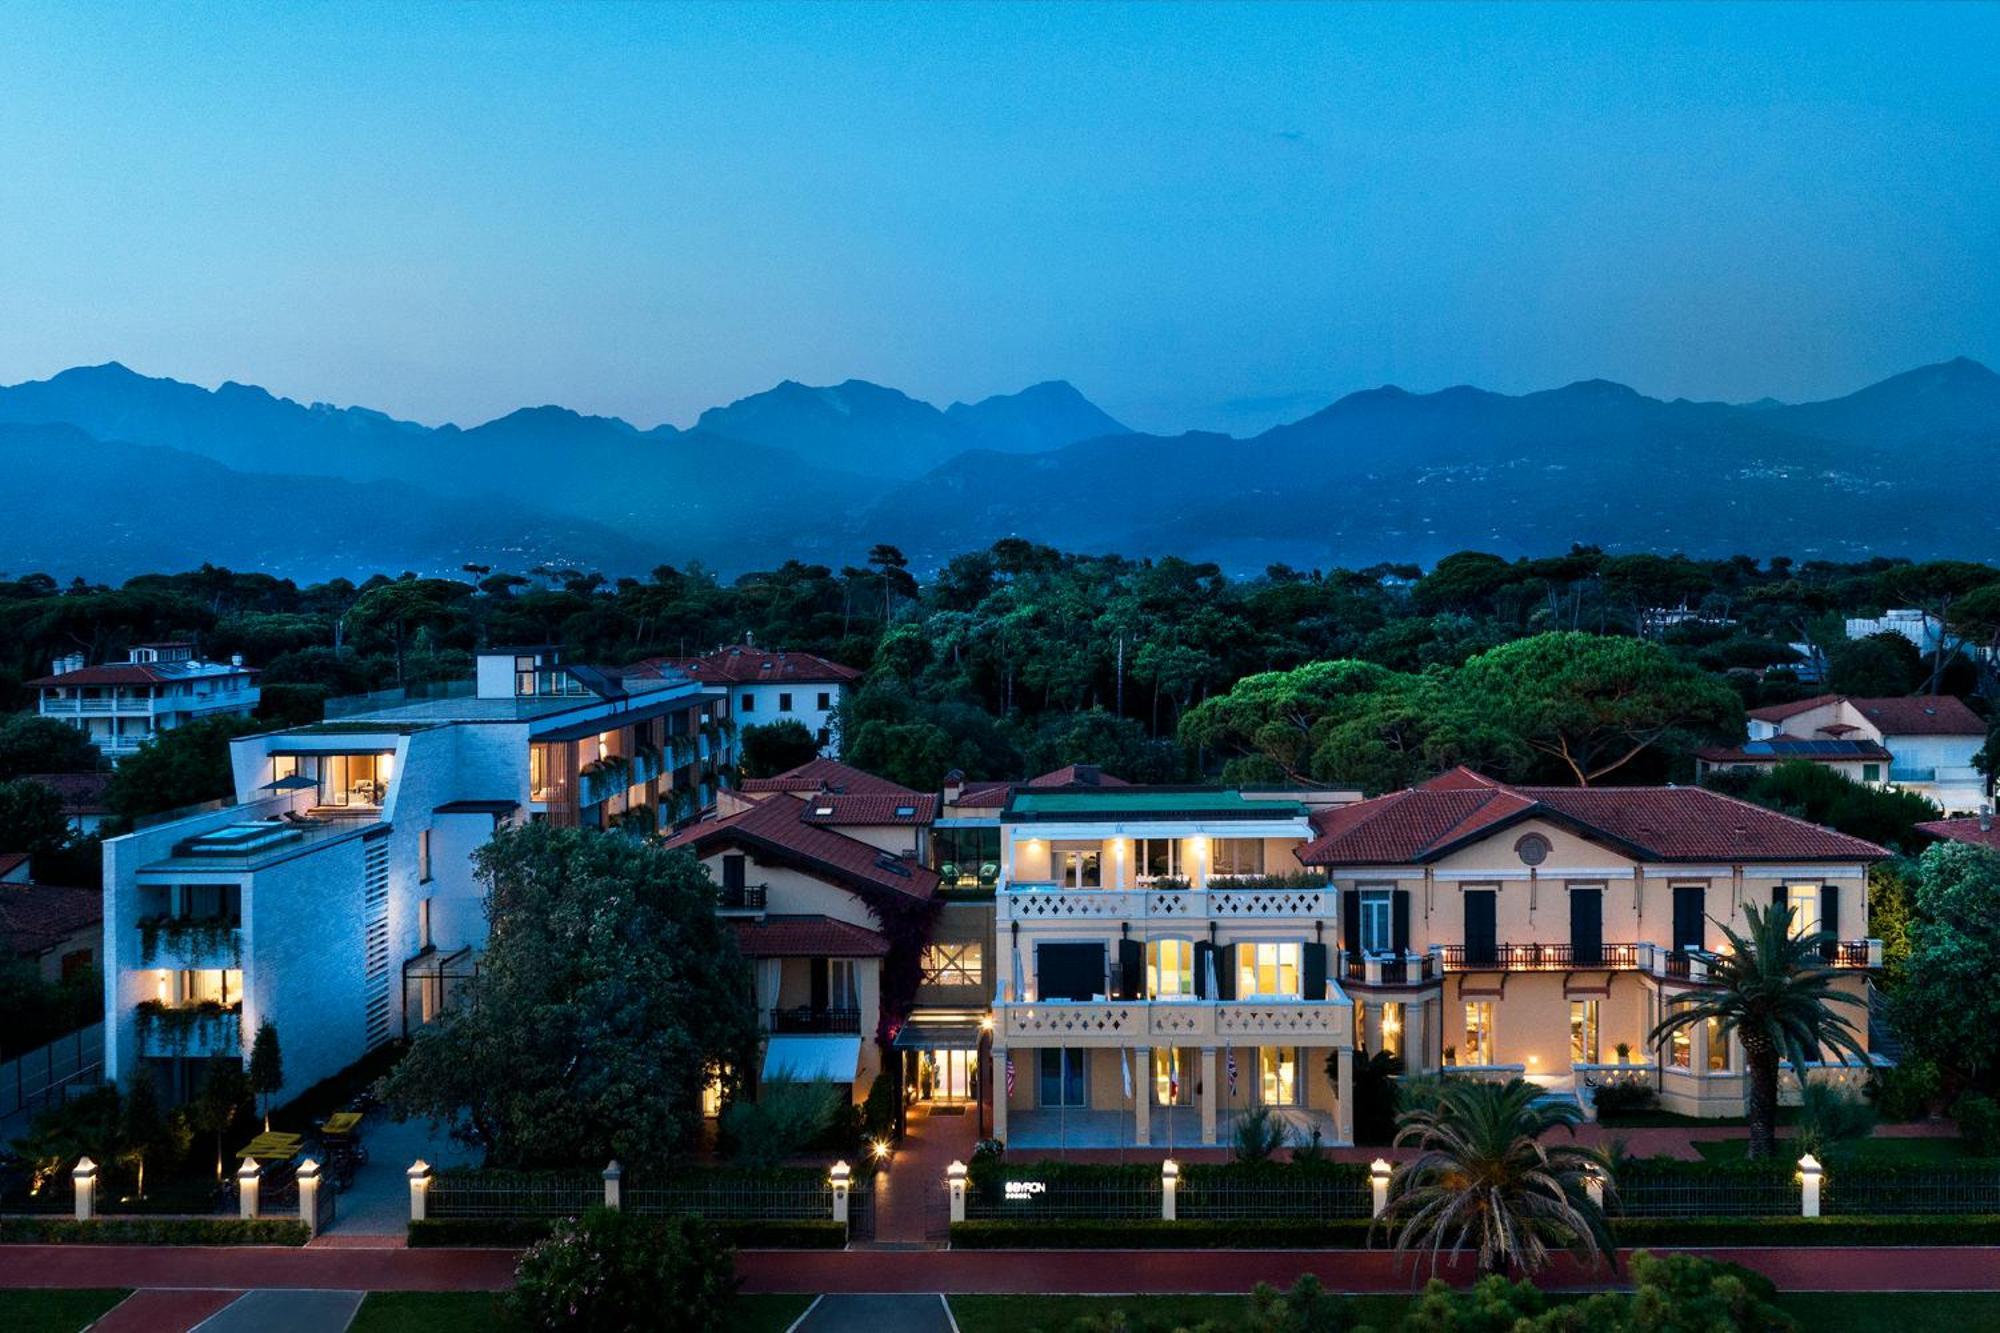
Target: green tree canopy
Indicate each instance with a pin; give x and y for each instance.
(30, 743)
(609, 994)
(184, 766)
(772, 748)
(1944, 1003)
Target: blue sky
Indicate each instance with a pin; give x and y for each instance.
(1208, 216)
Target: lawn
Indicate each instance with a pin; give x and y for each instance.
(1873, 1312)
(466, 1311)
(1868, 1152)
(37, 1311)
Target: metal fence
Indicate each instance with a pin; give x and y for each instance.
(486, 1194)
(1320, 1199)
(1677, 1194)
(1023, 1198)
(719, 1198)
(43, 1076)
(1944, 1190)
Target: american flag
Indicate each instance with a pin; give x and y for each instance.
(1010, 1073)
(1232, 1071)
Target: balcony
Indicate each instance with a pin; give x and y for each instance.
(1653, 959)
(1249, 898)
(1168, 1022)
(194, 1031)
(742, 898)
(182, 943)
(1389, 969)
(807, 1021)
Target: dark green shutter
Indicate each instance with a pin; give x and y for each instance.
(1131, 970)
(1202, 951)
(1586, 927)
(1690, 906)
(1829, 920)
(1399, 922)
(1350, 922)
(1313, 970)
(1225, 972)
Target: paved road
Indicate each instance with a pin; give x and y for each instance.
(878, 1314)
(292, 1311)
(240, 1268)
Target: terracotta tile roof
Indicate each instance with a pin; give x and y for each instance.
(862, 809)
(808, 937)
(1964, 830)
(1072, 775)
(777, 826)
(828, 775)
(1933, 715)
(1647, 823)
(81, 793)
(35, 918)
(743, 665)
(1779, 712)
(143, 673)
(10, 862)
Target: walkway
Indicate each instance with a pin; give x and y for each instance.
(911, 1207)
(170, 1269)
(878, 1314)
(378, 1202)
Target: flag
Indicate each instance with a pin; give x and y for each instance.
(1232, 1071)
(1125, 1059)
(1010, 1073)
(1173, 1075)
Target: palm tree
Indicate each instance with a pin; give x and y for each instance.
(1485, 1179)
(1774, 990)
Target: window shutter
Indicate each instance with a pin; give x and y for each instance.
(1350, 921)
(1225, 972)
(733, 871)
(1202, 950)
(820, 985)
(1313, 971)
(1829, 920)
(1399, 921)
(1131, 970)
(1778, 895)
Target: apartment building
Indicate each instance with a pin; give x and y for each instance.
(1925, 744)
(1493, 930)
(1166, 965)
(766, 687)
(822, 872)
(336, 896)
(158, 687)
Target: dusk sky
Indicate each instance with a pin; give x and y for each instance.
(1204, 217)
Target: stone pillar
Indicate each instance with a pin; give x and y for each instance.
(999, 1092)
(420, 1184)
(309, 1195)
(1142, 1099)
(614, 1177)
(954, 1181)
(1343, 1111)
(1208, 1094)
(247, 1178)
(84, 1177)
(1810, 1175)
(1379, 1172)
(842, 1176)
(1416, 1057)
(1170, 1183)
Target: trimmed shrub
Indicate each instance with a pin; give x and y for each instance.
(1941, 1229)
(153, 1231)
(1978, 1119)
(1625, 1097)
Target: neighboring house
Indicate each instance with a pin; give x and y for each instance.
(158, 687)
(82, 796)
(60, 930)
(1975, 830)
(1165, 964)
(1925, 744)
(831, 905)
(1919, 627)
(1500, 930)
(766, 687)
(336, 898)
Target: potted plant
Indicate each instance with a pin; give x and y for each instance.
(1624, 1049)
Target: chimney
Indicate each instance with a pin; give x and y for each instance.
(954, 786)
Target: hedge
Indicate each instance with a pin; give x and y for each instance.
(1204, 1234)
(153, 1231)
(1081, 1234)
(519, 1233)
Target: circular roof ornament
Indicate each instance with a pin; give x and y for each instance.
(1532, 848)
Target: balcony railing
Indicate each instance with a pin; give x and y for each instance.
(1028, 900)
(1052, 1022)
(1658, 960)
(809, 1021)
(1385, 969)
(742, 898)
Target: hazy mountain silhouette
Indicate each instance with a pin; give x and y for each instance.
(821, 473)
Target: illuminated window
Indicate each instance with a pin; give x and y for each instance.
(953, 964)
(1156, 858)
(1077, 865)
(1170, 969)
(1237, 856)
(1803, 899)
(1718, 1047)
(1268, 971)
(1392, 1027)
(1478, 1047)
(1278, 1075)
(1583, 1048)
(1680, 1048)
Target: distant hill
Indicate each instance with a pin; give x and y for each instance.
(105, 510)
(819, 474)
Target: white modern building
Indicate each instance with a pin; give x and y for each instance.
(336, 897)
(159, 686)
(1924, 744)
(766, 687)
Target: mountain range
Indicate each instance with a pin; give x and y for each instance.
(111, 472)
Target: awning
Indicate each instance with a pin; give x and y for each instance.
(951, 1034)
(292, 782)
(811, 1059)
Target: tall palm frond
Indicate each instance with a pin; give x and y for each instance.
(1485, 1180)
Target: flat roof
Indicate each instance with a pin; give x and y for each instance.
(1111, 803)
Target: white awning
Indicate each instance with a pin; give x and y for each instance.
(810, 1059)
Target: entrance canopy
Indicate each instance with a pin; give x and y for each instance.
(938, 1034)
(812, 1059)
